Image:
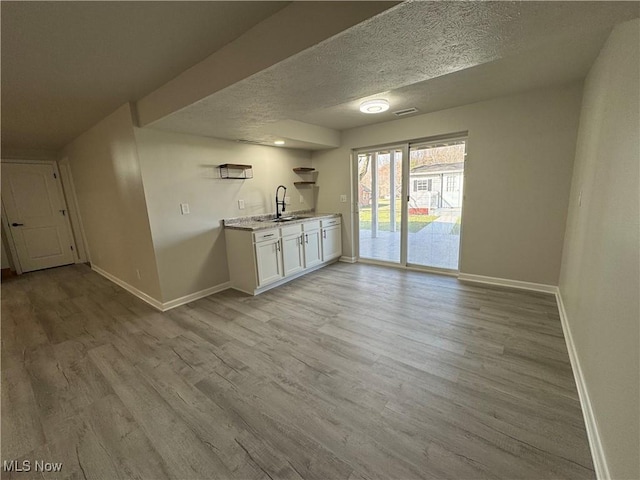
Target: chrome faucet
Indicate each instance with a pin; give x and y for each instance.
(280, 203)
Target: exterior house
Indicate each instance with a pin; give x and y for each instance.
(435, 186)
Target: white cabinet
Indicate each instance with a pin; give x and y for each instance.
(259, 260)
(268, 261)
(292, 254)
(312, 248)
(331, 239)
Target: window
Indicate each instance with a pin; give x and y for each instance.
(422, 185)
(452, 183)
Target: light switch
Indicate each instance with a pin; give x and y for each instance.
(184, 209)
(301, 199)
(287, 200)
(241, 204)
(343, 198)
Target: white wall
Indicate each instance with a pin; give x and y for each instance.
(600, 277)
(176, 168)
(517, 178)
(106, 173)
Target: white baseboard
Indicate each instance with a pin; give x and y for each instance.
(505, 282)
(133, 290)
(597, 451)
(163, 307)
(192, 297)
(348, 259)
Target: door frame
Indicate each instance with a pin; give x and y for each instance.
(404, 147)
(404, 233)
(8, 231)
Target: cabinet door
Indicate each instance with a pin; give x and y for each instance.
(292, 255)
(268, 261)
(312, 248)
(331, 243)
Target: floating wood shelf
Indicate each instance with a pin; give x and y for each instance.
(304, 183)
(236, 171)
(304, 169)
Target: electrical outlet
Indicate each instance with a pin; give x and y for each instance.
(287, 200)
(343, 198)
(138, 274)
(184, 209)
(241, 204)
(301, 199)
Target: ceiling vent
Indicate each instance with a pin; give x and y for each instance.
(406, 111)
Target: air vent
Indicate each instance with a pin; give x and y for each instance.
(406, 111)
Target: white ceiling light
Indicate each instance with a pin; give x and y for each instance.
(374, 106)
(279, 142)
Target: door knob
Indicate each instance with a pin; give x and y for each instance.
(14, 224)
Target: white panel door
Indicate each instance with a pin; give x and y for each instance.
(268, 260)
(37, 215)
(331, 243)
(312, 248)
(292, 255)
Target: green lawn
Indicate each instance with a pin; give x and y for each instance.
(456, 228)
(416, 222)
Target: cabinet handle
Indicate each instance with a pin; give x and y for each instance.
(324, 234)
(270, 235)
(278, 246)
(306, 238)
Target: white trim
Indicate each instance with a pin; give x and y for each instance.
(163, 307)
(597, 451)
(505, 282)
(192, 297)
(133, 290)
(348, 259)
(410, 267)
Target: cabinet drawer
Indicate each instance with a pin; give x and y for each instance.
(328, 222)
(308, 226)
(291, 230)
(265, 235)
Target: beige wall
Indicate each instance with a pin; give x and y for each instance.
(518, 175)
(176, 168)
(106, 173)
(600, 278)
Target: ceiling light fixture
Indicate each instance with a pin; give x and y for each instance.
(374, 106)
(279, 142)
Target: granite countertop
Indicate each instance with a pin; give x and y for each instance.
(261, 222)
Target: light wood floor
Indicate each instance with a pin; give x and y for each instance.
(352, 372)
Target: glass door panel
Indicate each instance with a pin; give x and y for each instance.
(380, 204)
(436, 182)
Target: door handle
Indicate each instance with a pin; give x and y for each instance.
(14, 224)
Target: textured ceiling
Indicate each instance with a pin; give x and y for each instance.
(66, 65)
(429, 55)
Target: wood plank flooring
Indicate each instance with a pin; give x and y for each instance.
(351, 372)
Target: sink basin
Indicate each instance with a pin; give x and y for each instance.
(286, 219)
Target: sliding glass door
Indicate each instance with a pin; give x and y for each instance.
(380, 204)
(436, 182)
(424, 230)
